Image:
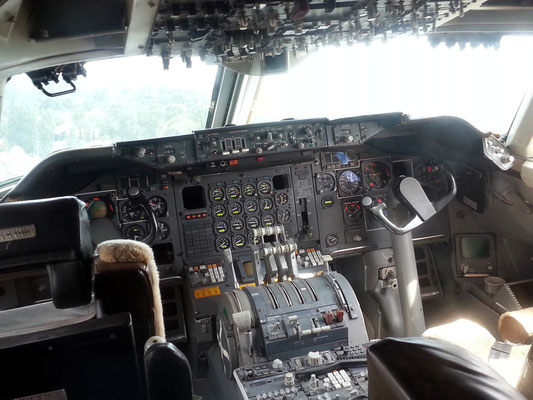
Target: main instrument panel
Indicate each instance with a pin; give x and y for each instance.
(208, 191)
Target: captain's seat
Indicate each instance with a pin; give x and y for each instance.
(84, 354)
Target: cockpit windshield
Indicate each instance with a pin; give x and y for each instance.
(482, 84)
(134, 98)
(119, 100)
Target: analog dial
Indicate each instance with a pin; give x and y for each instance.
(239, 241)
(163, 230)
(219, 211)
(158, 205)
(433, 179)
(349, 182)
(327, 202)
(249, 190)
(131, 212)
(377, 175)
(233, 192)
(221, 227)
(222, 243)
(235, 208)
(99, 207)
(268, 220)
(135, 232)
(332, 240)
(250, 206)
(283, 215)
(217, 194)
(324, 182)
(265, 187)
(237, 224)
(353, 212)
(267, 204)
(282, 198)
(252, 222)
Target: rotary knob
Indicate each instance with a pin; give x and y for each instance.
(258, 150)
(171, 159)
(313, 382)
(314, 358)
(289, 379)
(277, 364)
(133, 191)
(348, 139)
(367, 201)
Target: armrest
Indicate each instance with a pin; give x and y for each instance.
(168, 373)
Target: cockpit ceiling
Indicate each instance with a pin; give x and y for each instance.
(44, 33)
(252, 37)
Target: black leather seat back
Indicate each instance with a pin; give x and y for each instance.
(423, 368)
(168, 373)
(53, 232)
(127, 290)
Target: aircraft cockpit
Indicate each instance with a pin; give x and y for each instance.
(287, 201)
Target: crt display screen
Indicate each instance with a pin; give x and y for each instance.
(475, 247)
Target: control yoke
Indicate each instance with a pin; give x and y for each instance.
(411, 195)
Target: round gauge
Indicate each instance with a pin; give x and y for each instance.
(163, 230)
(377, 175)
(235, 208)
(253, 239)
(134, 232)
(353, 212)
(233, 192)
(324, 182)
(433, 179)
(349, 182)
(327, 202)
(237, 224)
(159, 205)
(252, 222)
(239, 241)
(267, 204)
(100, 207)
(131, 212)
(217, 194)
(250, 206)
(283, 215)
(219, 211)
(265, 187)
(268, 220)
(222, 243)
(332, 240)
(221, 227)
(249, 190)
(282, 198)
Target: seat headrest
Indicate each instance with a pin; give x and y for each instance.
(53, 232)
